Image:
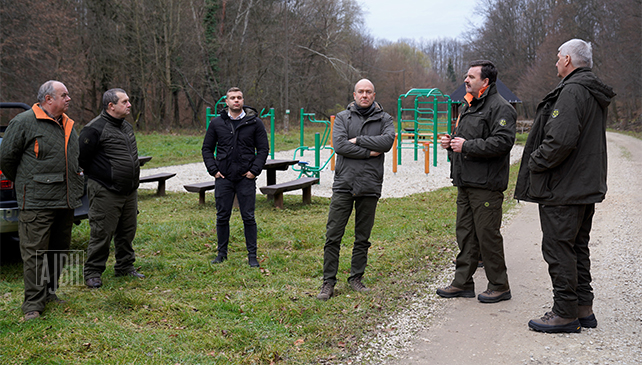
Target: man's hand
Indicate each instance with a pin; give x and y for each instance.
(445, 142)
(249, 175)
(374, 153)
(353, 140)
(457, 144)
(219, 175)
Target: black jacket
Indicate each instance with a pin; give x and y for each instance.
(564, 161)
(488, 126)
(357, 172)
(109, 155)
(240, 146)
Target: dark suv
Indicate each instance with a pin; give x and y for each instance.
(9, 206)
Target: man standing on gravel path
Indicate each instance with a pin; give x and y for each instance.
(480, 153)
(564, 170)
(240, 141)
(362, 134)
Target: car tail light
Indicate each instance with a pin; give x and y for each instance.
(5, 184)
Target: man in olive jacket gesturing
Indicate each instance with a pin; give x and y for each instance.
(39, 153)
(564, 170)
(480, 161)
(240, 141)
(361, 135)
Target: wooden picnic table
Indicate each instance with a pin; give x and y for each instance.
(144, 159)
(271, 166)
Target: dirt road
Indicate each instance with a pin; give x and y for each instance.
(465, 331)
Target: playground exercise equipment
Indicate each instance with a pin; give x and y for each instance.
(320, 142)
(427, 119)
(221, 102)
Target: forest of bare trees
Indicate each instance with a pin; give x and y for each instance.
(177, 57)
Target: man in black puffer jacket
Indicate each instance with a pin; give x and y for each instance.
(234, 151)
(480, 153)
(109, 156)
(564, 170)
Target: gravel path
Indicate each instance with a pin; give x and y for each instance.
(409, 179)
(433, 330)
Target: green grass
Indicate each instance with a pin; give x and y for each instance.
(188, 311)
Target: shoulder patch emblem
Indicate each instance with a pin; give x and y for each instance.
(555, 113)
(502, 122)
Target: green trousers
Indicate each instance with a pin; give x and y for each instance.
(479, 218)
(45, 236)
(341, 205)
(111, 216)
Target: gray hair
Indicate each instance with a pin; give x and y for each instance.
(580, 51)
(47, 89)
(110, 96)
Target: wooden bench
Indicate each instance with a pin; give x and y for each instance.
(200, 188)
(160, 178)
(277, 190)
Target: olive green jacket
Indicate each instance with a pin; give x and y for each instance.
(41, 157)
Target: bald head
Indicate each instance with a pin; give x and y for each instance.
(364, 93)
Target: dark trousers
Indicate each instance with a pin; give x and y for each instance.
(341, 206)
(565, 239)
(45, 236)
(479, 218)
(111, 216)
(245, 191)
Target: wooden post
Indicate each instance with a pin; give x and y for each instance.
(394, 154)
(427, 157)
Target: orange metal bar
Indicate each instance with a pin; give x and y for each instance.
(394, 153)
(427, 157)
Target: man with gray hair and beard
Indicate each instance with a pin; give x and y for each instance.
(109, 156)
(564, 170)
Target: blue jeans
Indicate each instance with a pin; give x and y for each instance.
(245, 191)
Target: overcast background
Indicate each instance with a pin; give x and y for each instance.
(415, 19)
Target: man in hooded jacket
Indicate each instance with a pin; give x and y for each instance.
(234, 151)
(563, 169)
(361, 135)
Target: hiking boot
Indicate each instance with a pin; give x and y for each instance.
(494, 296)
(586, 316)
(31, 315)
(252, 261)
(94, 283)
(552, 323)
(132, 273)
(454, 292)
(219, 259)
(357, 285)
(327, 291)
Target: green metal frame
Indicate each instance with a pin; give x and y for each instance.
(425, 119)
(320, 143)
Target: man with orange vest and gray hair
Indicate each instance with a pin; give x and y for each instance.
(479, 151)
(39, 152)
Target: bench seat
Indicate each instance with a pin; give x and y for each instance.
(200, 188)
(276, 191)
(160, 178)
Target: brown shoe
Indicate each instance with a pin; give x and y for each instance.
(357, 285)
(327, 291)
(94, 283)
(552, 323)
(31, 315)
(454, 292)
(494, 296)
(133, 273)
(586, 316)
